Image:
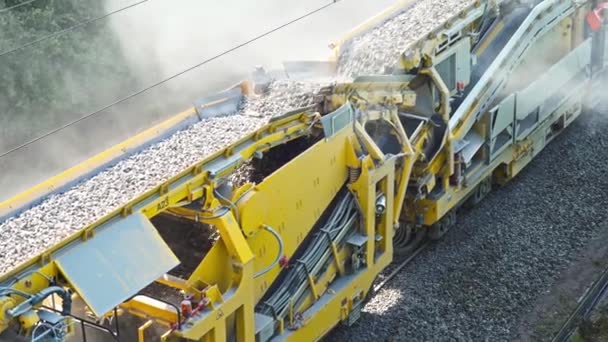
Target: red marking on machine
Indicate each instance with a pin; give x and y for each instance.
(460, 86)
(284, 261)
(186, 308)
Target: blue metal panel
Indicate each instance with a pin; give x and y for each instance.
(223, 103)
(454, 64)
(505, 115)
(338, 119)
(121, 259)
(556, 80)
(302, 70)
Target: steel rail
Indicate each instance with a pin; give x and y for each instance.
(586, 303)
(401, 265)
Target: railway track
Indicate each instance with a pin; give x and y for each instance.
(400, 266)
(587, 303)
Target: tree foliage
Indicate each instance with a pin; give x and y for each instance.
(59, 79)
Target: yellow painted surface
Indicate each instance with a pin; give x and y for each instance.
(319, 320)
(297, 194)
(147, 307)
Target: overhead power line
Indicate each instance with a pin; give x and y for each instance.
(139, 92)
(10, 8)
(69, 29)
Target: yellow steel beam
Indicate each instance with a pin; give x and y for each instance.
(142, 329)
(172, 281)
(146, 307)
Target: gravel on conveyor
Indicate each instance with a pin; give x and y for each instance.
(63, 214)
(373, 51)
(281, 96)
(480, 280)
(60, 215)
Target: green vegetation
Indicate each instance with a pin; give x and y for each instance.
(595, 329)
(62, 78)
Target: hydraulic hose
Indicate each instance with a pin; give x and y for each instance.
(39, 297)
(338, 224)
(279, 254)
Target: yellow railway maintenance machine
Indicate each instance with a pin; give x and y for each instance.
(378, 164)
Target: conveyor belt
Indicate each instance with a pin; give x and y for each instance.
(497, 36)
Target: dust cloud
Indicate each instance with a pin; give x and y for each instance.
(160, 38)
(163, 38)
